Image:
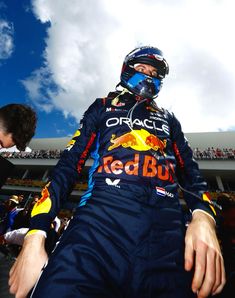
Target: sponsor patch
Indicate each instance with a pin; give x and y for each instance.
(146, 123)
(113, 183)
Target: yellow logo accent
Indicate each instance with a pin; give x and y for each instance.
(206, 198)
(44, 204)
(31, 232)
(116, 103)
(72, 141)
(77, 134)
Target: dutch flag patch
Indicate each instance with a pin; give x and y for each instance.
(160, 191)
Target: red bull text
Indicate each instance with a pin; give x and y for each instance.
(148, 168)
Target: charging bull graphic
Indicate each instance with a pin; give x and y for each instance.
(126, 140)
(140, 140)
(155, 143)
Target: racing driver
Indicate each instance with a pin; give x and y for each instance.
(127, 237)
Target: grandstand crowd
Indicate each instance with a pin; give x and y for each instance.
(199, 154)
(48, 154)
(214, 153)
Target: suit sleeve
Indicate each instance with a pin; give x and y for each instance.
(188, 173)
(66, 172)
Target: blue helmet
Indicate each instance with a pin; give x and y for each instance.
(140, 83)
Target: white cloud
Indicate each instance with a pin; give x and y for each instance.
(87, 41)
(41, 89)
(6, 39)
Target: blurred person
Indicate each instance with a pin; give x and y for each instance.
(127, 237)
(36, 197)
(22, 219)
(12, 209)
(21, 200)
(17, 125)
(64, 223)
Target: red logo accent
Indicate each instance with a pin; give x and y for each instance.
(85, 153)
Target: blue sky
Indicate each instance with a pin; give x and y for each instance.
(58, 56)
(27, 55)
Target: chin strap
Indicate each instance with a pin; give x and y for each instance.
(125, 90)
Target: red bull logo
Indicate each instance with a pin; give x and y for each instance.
(148, 167)
(139, 140)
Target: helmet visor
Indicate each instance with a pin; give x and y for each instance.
(144, 85)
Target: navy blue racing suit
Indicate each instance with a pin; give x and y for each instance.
(126, 238)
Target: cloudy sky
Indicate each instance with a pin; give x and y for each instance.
(59, 55)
